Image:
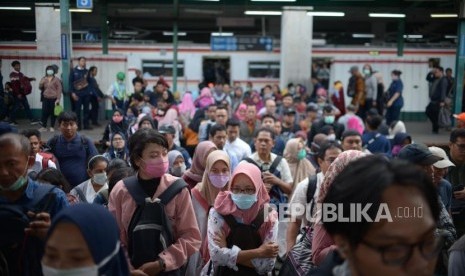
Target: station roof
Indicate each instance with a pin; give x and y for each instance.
(151, 21)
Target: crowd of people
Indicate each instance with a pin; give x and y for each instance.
(232, 181)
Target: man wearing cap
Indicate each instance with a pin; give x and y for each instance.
(356, 89)
(169, 132)
(440, 170)
(117, 92)
(328, 119)
(423, 158)
(289, 127)
(460, 120)
(80, 92)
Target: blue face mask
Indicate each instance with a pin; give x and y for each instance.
(302, 154)
(330, 119)
(244, 201)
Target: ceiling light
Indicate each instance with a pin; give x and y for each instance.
(16, 8)
(222, 34)
(450, 36)
(76, 10)
(171, 33)
(388, 15)
(444, 15)
(322, 13)
(413, 36)
(363, 35)
(126, 32)
(263, 12)
(203, 11)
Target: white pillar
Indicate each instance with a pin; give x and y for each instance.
(296, 46)
(48, 29)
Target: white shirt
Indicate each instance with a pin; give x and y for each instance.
(239, 148)
(37, 167)
(88, 190)
(300, 196)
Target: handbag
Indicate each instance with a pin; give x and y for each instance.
(57, 110)
(299, 258)
(81, 83)
(444, 117)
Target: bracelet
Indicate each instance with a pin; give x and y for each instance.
(162, 264)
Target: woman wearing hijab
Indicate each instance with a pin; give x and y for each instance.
(186, 107)
(215, 179)
(177, 164)
(241, 112)
(256, 99)
(194, 175)
(117, 124)
(322, 243)
(205, 99)
(245, 204)
(75, 246)
(296, 157)
(118, 148)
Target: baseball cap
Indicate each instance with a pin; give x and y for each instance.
(418, 154)
(460, 116)
(289, 111)
(445, 162)
(167, 129)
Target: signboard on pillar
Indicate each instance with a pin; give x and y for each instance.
(64, 47)
(84, 4)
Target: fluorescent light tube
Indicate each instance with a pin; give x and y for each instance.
(413, 36)
(388, 15)
(222, 34)
(263, 12)
(323, 13)
(16, 8)
(171, 33)
(450, 36)
(363, 35)
(77, 10)
(444, 15)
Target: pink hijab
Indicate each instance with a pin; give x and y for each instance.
(224, 204)
(238, 114)
(187, 105)
(336, 168)
(354, 124)
(205, 99)
(201, 153)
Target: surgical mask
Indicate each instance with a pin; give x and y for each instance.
(80, 271)
(244, 201)
(218, 180)
(156, 168)
(331, 137)
(50, 72)
(367, 72)
(330, 119)
(302, 154)
(179, 171)
(19, 183)
(100, 178)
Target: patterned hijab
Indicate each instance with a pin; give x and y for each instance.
(200, 158)
(206, 189)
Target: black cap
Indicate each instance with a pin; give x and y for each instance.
(289, 111)
(328, 108)
(418, 154)
(167, 129)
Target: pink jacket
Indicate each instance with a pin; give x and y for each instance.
(179, 211)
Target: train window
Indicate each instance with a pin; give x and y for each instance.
(264, 69)
(156, 68)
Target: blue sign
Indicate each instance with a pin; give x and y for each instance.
(241, 43)
(84, 4)
(64, 47)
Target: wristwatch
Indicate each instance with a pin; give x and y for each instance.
(162, 264)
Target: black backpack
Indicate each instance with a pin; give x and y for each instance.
(244, 236)
(20, 254)
(150, 232)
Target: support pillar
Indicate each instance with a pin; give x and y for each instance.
(460, 60)
(296, 46)
(104, 25)
(66, 49)
(400, 37)
(175, 46)
(47, 29)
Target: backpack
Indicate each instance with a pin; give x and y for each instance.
(244, 236)
(46, 156)
(149, 231)
(21, 254)
(25, 86)
(277, 196)
(299, 259)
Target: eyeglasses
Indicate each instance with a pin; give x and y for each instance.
(399, 254)
(460, 146)
(244, 191)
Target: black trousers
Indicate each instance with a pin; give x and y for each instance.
(48, 108)
(94, 109)
(432, 112)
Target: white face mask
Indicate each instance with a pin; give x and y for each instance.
(100, 178)
(80, 271)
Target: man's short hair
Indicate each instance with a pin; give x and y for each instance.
(266, 129)
(31, 132)
(67, 116)
(374, 121)
(14, 63)
(13, 138)
(215, 128)
(349, 133)
(456, 133)
(221, 106)
(268, 116)
(326, 146)
(232, 122)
